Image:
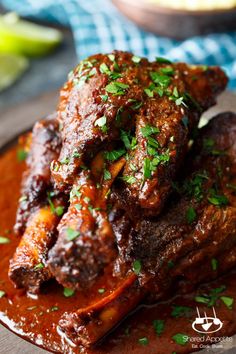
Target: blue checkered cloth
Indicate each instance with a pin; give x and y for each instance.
(98, 27)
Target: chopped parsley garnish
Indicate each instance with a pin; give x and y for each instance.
(111, 57)
(78, 206)
(75, 153)
(101, 291)
(158, 326)
(65, 161)
(149, 130)
(191, 215)
(129, 179)
(21, 155)
(211, 298)
(163, 60)
(193, 187)
(72, 234)
(160, 79)
(2, 293)
(168, 70)
(143, 341)
(104, 69)
(39, 266)
(228, 301)
(129, 141)
(4, 240)
(68, 292)
(136, 104)
(152, 142)
(106, 175)
(151, 165)
(54, 308)
(87, 199)
(133, 167)
(147, 170)
(117, 88)
(214, 264)
(114, 155)
(180, 338)
(149, 92)
(181, 311)
(217, 200)
(104, 98)
(59, 210)
(137, 266)
(101, 123)
(75, 192)
(135, 59)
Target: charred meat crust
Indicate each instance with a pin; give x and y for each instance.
(171, 250)
(120, 95)
(45, 146)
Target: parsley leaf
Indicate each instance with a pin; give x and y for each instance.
(106, 175)
(180, 338)
(129, 179)
(149, 130)
(21, 155)
(191, 215)
(181, 311)
(72, 234)
(117, 88)
(136, 59)
(214, 264)
(137, 266)
(4, 240)
(218, 200)
(114, 155)
(228, 301)
(68, 292)
(163, 60)
(158, 326)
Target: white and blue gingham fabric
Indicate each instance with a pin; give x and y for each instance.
(98, 27)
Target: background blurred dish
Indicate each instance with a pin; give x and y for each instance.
(176, 23)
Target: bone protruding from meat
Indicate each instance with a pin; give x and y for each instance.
(88, 325)
(28, 268)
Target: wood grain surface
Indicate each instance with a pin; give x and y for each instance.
(20, 118)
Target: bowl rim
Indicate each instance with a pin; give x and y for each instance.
(148, 5)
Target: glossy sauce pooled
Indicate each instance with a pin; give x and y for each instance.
(161, 329)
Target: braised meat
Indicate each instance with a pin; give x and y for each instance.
(40, 209)
(152, 107)
(198, 226)
(105, 191)
(28, 268)
(86, 242)
(45, 147)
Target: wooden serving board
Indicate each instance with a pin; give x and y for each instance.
(20, 118)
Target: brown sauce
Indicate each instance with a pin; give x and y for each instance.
(37, 319)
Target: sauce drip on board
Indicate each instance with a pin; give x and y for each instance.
(159, 329)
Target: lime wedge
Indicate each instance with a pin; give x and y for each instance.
(11, 68)
(26, 38)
